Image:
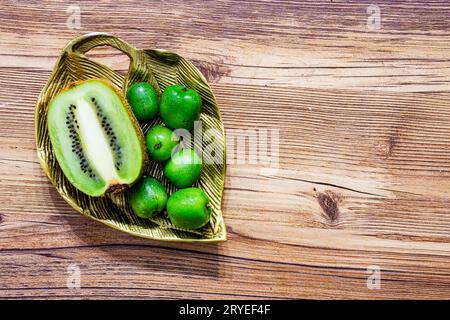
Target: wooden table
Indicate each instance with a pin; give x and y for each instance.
(363, 184)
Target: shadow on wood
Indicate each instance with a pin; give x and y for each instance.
(143, 254)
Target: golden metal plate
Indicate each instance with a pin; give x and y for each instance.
(160, 68)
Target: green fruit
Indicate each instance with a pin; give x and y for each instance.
(97, 141)
(189, 208)
(147, 197)
(143, 99)
(184, 168)
(160, 143)
(180, 107)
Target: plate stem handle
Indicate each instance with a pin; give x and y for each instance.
(87, 42)
(136, 71)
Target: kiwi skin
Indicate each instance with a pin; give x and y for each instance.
(117, 188)
(140, 136)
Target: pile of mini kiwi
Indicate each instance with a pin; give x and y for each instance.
(101, 149)
(178, 108)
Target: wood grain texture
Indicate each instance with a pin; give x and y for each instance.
(364, 174)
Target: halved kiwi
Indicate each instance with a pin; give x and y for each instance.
(96, 139)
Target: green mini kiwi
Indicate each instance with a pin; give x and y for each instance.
(96, 139)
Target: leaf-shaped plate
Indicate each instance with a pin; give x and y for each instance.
(160, 68)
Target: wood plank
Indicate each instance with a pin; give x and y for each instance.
(364, 140)
(318, 44)
(338, 153)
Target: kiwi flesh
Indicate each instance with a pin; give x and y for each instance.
(95, 137)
